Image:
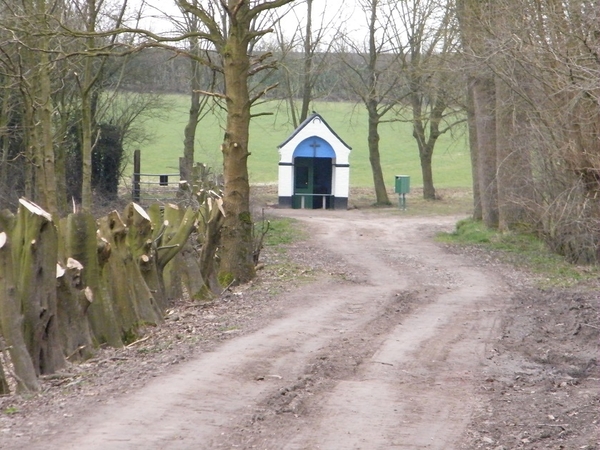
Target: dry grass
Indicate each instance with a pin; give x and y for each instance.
(452, 201)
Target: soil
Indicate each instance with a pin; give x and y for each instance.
(366, 335)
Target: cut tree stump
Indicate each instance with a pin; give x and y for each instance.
(66, 288)
(77, 256)
(34, 254)
(172, 229)
(11, 321)
(121, 277)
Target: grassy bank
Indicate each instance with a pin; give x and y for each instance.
(521, 249)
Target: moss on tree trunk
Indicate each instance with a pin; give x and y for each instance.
(120, 277)
(36, 258)
(11, 318)
(172, 228)
(236, 233)
(78, 256)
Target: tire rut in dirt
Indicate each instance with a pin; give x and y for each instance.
(341, 359)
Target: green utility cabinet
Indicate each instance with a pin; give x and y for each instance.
(402, 184)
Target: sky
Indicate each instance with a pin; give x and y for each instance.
(340, 11)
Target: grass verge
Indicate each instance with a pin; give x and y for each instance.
(523, 250)
(450, 201)
(283, 231)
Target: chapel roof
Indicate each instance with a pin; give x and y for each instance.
(305, 123)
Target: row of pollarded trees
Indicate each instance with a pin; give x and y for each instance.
(57, 58)
(535, 129)
(68, 285)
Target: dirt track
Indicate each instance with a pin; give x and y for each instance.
(391, 356)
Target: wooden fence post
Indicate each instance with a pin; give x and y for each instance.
(136, 175)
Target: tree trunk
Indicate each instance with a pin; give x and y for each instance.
(484, 98)
(39, 130)
(36, 285)
(11, 317)
(142, 246)
(372, 102)
(426, 157)
(5, 107)
(426, 143)
(86, 149)
(375, 158)
(473, 147)
(308, 62)
(60, 170)
(93, 251)
(86, 89)
(73, 302)
(473, 15)
(179, 225)
(189, 133)
(514, 177)
(44, 123)
(121, 281)
(78, 253)
(187, 266)
(236, 234)
(172, 229)
(208, 235)
(233, 35)
(4, 387)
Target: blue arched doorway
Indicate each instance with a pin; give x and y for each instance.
(313, 171)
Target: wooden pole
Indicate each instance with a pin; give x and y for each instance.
(136, 175)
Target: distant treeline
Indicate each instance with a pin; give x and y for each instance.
(155, 70)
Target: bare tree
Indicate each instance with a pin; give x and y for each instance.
(12, 167)
(33, 66)
(93, 65)
(202, 80)
(473, 15)
(425, 40)
(374, 79)
(309, 53)
(56, 60)
(232, 39)
(537, 70)
(305, 59)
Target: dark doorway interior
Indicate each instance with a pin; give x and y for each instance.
(312, 177)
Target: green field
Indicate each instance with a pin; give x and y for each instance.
(399, 155)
